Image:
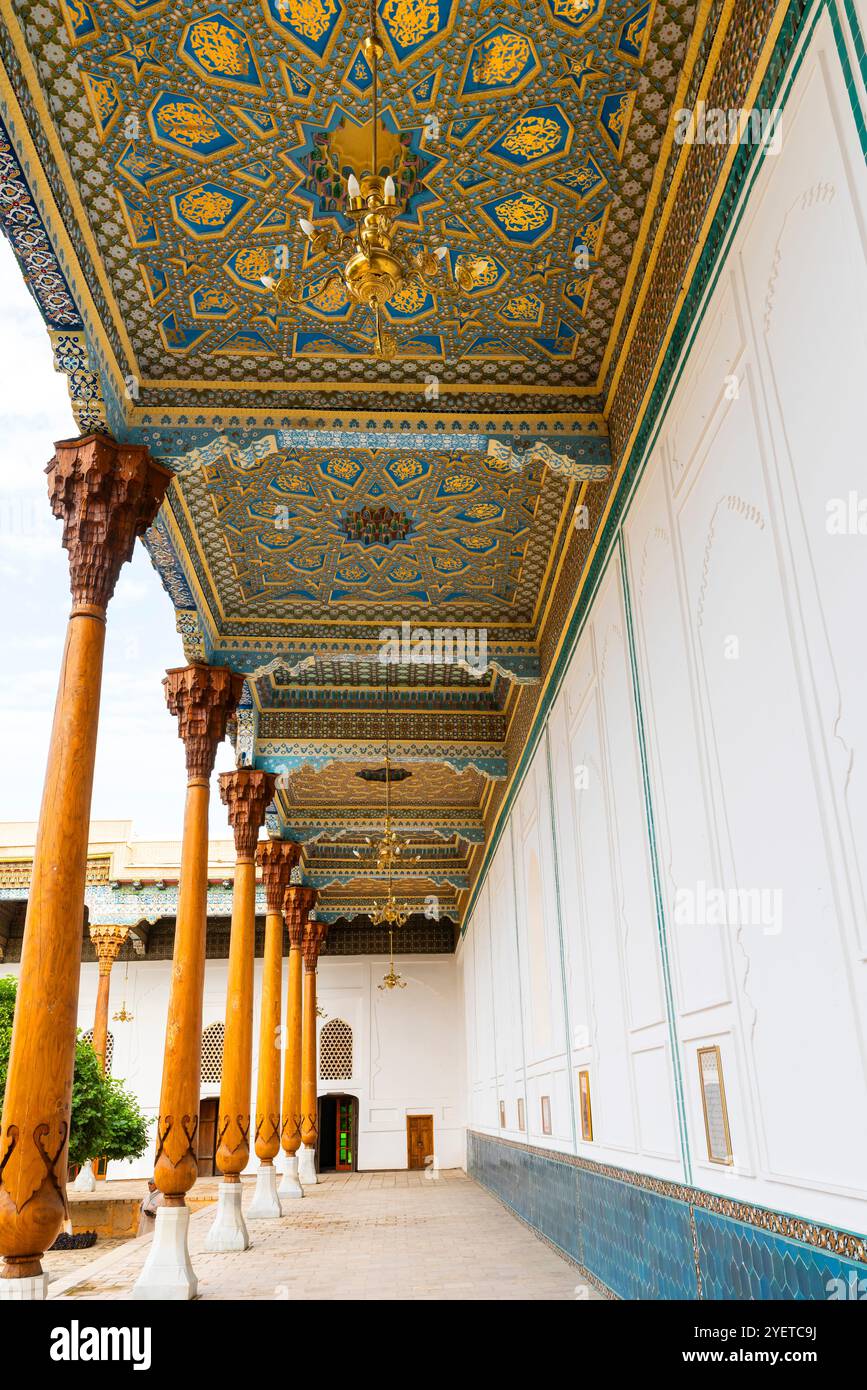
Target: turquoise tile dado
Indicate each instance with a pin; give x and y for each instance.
(636, 1242)
(644, 1237)
(739, 1261)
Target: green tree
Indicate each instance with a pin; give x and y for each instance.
(106, 1118)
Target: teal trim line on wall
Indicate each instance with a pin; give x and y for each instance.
(661, 925)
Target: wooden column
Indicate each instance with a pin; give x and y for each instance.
(314, 935)
(107, 942)
(106, 494)
(277, 859)
(202, 698)
(246, 792)
(297, 904)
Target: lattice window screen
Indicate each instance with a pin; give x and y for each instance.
(212, 1055)
(335, 1051)
(109, 1048)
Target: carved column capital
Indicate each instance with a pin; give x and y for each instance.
(314, 937)
(298, 902)
(276, 859)
(106, 494)
(246, 793)
(107, 942)
(202, 698)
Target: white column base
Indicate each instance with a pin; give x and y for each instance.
(32, 1289)
(290, 1186)
(167, 1272)
(265, 1205)
(228, 1231)
(307, 1166)
(85, 1182)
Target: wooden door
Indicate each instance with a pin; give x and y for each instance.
(419, 1140)
(206, 1150)
(344, 1159)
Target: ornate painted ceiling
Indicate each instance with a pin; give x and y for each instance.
(519, 132)
(356, 535)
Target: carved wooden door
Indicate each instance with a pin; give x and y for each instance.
(419, 1140)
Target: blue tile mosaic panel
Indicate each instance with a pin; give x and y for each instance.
(643, 1243)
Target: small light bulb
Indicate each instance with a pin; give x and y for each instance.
(307, 227)
(268, 281)
(353, 187)
(390, 189)
(441, 252)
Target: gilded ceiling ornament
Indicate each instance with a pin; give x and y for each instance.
(309, 17)
(219, 48)
(532, 136)
(189, 125)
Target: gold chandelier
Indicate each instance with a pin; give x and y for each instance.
(375, 268)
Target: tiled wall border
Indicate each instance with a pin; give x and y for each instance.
(847, 1244)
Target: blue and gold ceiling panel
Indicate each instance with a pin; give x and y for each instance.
(262, 124)
(213, 304)
(413, 27)
(411, 303)
(144, 168)
(180, 337)
(634, 35)
(615, 113)
(312, 25)
(140, 222)
(577, 293)
(220, 51)
(423, 93)
(539, 136)
(523, 310)
(103, 97)
(183, 125)
(502, 62)
(359, 74)
(575, 16)
(80, 20)
(246, 342)
(156, 281)
(521, 219)
(582, 182)
(141, 56)
(209, 210)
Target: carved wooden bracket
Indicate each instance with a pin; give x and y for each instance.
(298, 902)
(106, 494)
(202, 698)
(276, 859)
(246, 793)
(107, 943)
(314, 936)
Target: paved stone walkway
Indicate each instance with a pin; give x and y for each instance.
(364, 1236)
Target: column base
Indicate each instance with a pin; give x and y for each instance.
(265, 1205)
(307, 1166)
(228, 1231)
(85, 1182)
(167, 1272)
(31, 1289)
(290, 1186)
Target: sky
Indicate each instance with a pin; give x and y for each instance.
(140, 770)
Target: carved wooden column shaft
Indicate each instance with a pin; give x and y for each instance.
(314, 936)
(107, 943)
(106, 494)
(298, 903)
(277, 859)
(202, 697)
(246, 792)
